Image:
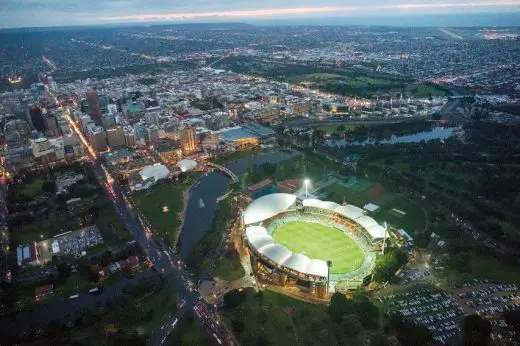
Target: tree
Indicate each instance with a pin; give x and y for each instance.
(476, 331)
(340, 306)
(351, 326)
(387, 264)
(367, 312)
(408, 333)
(379, 339)
(260, 296)
(64, 270)
(234, 298)
(237, 326)
(49, 186)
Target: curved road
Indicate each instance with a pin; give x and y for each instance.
(164, 259)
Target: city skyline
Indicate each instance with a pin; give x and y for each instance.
(33, 13)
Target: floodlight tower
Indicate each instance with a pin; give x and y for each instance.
(329, 264)
(384, 239)
(306, 182)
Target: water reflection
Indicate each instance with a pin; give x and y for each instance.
(435, 133)
(198, 220)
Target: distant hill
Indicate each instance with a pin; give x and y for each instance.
(180, 26)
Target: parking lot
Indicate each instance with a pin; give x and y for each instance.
(71, 243)
(433, 309)
(490, 300)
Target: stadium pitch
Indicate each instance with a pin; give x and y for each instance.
(317, 241)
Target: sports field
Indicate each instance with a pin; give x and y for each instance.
(321, 242)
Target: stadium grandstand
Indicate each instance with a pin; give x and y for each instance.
(316, 246)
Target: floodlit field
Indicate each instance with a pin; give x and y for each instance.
(321, 242)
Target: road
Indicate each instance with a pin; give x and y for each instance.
(163, 258)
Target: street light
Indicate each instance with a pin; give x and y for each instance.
(306, 182)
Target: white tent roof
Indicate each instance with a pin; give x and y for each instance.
(317, 267)
(260, 241)
(329, 205)
(276, 253)
(268, 206)
(251, 231)
(157, 171)
(349, 211)
(376, 231)
(311, 202)
(186, 165)
(297, 262)
(366, 221)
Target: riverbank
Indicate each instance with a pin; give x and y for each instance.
(198, 220)
(185, 199)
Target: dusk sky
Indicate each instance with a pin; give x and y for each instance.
(22, 13)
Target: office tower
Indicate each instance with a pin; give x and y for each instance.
(152, 134)
(140, 130)
(108, 120)
(152, 115)
(103, 103)
(50, 122)
(112, 109)
(84, 120)
(129, 136)
(188, 140)
(116, 137)
(93, 105)
(97, 138)
(36, 116)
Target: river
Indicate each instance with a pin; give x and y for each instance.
(198, 220)
(436, 133)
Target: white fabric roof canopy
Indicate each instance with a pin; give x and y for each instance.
(268, 206)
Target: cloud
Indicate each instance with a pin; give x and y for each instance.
(277, 12)
(71, 12)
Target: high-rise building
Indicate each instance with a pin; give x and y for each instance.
(188, 140)
(112, 109)
(93, 105)
(97, 138)
(129, 136)
(152, 134)
(152, 115)
(36, 116)
(103, 103)
(108, 120)
(116, 137)
(84, 120)
(50, 122)
(140, 130)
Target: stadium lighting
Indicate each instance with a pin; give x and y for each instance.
(384, 239)
(306, 182)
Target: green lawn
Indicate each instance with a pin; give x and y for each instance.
(334, 128)
(339, 193)
(361, 84)
(321, 242)
(491, 268)
(422, 90)
(110, 224)
(32, 189)
(413, 222)
(38, 231)
(229, 268)
(151, 203)
(266, 320)
(225, 158)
